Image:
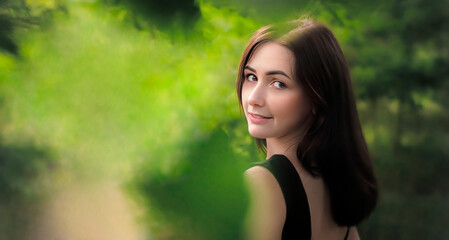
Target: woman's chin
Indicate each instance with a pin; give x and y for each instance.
(257, 134)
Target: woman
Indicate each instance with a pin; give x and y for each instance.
(318, 181)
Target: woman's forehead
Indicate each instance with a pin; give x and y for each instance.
(272, 56)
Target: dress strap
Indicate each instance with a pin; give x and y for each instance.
(347, 233)
(297, 223)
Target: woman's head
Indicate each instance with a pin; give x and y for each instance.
(273, 101)
(317, 66)
(322, 110)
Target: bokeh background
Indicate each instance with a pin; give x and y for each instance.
(119, 119)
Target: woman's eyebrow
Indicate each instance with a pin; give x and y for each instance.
(276, 72)
(250, 68)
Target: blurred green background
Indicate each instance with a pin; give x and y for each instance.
(119, 119)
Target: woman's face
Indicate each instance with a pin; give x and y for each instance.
(274, 103)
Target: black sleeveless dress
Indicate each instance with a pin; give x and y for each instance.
(297, 223)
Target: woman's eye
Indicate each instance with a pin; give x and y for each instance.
(251, 77)
(279, 85)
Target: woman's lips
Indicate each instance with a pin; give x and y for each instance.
(256, 118)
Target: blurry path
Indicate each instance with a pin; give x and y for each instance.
(97, 211)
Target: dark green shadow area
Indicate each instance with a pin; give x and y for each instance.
(206, 199)
(22, 186)
(176, 17)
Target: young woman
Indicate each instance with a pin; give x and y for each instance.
(318, 181)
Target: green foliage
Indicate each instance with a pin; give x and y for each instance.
(22, 14)
(22, 177)
(20, 167)
(203, 197)
(167, 15)
(399, 69)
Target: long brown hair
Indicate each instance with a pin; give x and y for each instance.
(333, 147)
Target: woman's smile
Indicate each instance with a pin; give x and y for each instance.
(256, 118)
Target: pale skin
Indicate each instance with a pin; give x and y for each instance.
(277, 110)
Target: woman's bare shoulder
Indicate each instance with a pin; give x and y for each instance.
(263, 186)
(353, 234)
(267, 211)
(261, 181)
(259, 173)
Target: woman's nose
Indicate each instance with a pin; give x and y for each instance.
(256, 96)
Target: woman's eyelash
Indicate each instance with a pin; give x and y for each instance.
(279, 84)
(247, 76)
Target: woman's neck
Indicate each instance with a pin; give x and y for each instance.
(287, 145)
(284, 146)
